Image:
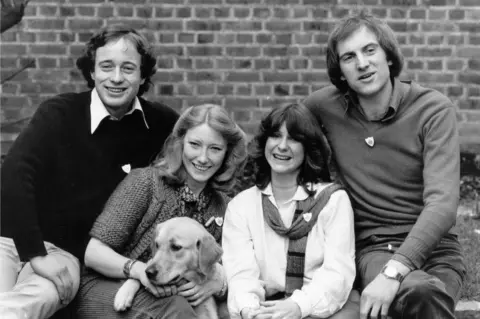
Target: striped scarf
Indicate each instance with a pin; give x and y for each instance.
(305, 217)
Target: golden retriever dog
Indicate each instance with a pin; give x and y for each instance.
(183, 250)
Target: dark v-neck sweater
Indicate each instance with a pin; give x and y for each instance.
(58, 175)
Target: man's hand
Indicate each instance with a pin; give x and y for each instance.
(52, 268)
(379, 294)
(278, 309)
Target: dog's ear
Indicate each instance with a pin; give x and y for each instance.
(209, 253)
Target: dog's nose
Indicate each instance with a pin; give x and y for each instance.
(151, 273)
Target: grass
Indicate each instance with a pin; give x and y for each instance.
(470, 241)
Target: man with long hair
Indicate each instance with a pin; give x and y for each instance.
(397, 152)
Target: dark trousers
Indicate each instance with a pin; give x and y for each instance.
(429, 292)
(97, 293)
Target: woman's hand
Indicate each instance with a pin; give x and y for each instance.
(138, 272)
(278, 309)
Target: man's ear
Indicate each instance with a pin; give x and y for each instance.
(209, 253)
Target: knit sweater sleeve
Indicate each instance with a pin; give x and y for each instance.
(23, 170)
(441, 175)
(125, 209)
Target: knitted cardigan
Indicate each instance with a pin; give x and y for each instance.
(140, 202)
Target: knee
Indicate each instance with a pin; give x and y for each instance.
(177, 308)
(421, 291)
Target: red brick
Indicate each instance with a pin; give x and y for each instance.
(206, 89)
(281, 90)
(169, 50)
(283, 25)
(319, 12)
(84, 24)
(301, 12)
(470, 27)
(13, 49)
(468, 52)
(281, 13)
(204, 76)
(262, 64)
(10, 88)
(262, 89)
(435, 77)
(439, 27)
(167, 12)
(456, 65)
(398, 2)
(284, 39)
(314, 51)
(303, 38)
(203, 64)
(243, 76)
(183, 12)
(398, 13)
(243, 51)
(66, 63)
(280, 51)
(436, 39)
(468, 3)
(415, 65)
(46, 24)
(379, 12)
(201, 25)
(8, 62)
(474, 64)
(184, 63)
(225, 89)
(437, 2)
(203, 12)
(435, 65)
(418, 13)
(165, 63)
(437, 14)
(204, 50)
(299, 64)
(474, 39)
(244, 38)
(340, 13)
(166, 38)
(185, 37)
(455, 39)
(205, 38)
(168, 77)
(165, 25)
(455, 91)
(281, 64)
(143, 12)
(403, 26)
(469, 78)
(469, 104)
(456, 14)
(46, 62)
(185, 89)
(241, 103)
(243, 64)
(224, 63)
(434, 52)
(316, 26)
(319, 63)
(105, 12)
(241, 13)
(417, 39)
(261, 13)
(314, 77)
(221, 12)
(243, 89)
(302, 90)
(47, 10)
(473, 91)
(280, 76)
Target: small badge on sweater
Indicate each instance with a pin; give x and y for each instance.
(370, 141)
(126, 168)
(307, 217)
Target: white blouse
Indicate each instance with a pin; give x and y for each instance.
(255, 256)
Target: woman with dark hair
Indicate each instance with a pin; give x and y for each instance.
(199, 162)
(289, 241)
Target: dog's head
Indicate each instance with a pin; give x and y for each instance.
(182, 249)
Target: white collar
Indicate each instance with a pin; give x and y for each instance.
(98, 111)
(300, 193)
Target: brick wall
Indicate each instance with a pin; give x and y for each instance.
(247, 55)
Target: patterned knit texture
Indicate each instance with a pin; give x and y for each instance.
(140, 202)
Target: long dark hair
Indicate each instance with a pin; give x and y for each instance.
(302, 127)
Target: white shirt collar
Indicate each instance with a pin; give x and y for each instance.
(300, 193)
(98, 111)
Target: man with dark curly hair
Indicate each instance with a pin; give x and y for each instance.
(397, 149)
(63, 167)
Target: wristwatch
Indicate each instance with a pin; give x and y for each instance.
(127, 267)
(391, 272)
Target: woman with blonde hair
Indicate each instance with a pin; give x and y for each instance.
(198, 165)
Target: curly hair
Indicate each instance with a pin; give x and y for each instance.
(346, 27)
(86, 63)
(302, 127)
(170, 163)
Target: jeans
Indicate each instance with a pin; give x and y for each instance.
(429, 292)
(23, 293)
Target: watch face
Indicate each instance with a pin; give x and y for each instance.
(390, 272)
